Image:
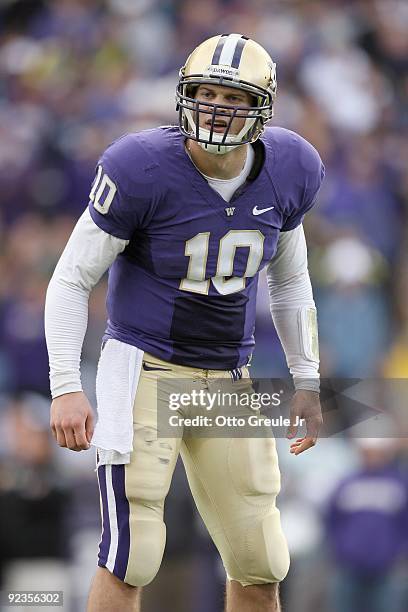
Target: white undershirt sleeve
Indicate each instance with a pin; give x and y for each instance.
(293, 309)
(88, 254)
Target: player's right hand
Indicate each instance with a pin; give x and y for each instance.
(72, 421)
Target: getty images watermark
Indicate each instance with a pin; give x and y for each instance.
(221, 408)
(205, 407)
(214, 401)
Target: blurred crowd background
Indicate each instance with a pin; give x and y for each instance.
(76, 74)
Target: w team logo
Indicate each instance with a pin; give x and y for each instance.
(230, 211)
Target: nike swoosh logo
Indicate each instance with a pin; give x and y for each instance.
(260, 211)
(153, 369)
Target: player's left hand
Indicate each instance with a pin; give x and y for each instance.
(305, 405)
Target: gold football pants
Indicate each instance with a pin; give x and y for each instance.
(234, 482)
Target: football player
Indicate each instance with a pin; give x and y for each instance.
(185, 218)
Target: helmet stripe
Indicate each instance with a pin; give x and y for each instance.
(218, 49)
(228, 49)
(238, 52)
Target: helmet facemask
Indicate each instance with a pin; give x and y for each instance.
(190, 109)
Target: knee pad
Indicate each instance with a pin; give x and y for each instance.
(276, 553)
(146, 551)
(137, 560)
(262, 554)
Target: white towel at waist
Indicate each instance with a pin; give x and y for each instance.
(116, 383)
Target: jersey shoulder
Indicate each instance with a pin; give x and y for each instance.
(129, 182)
(297, 172)
(134, 159)
(292, 152)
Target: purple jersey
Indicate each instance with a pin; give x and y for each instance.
(184, 289)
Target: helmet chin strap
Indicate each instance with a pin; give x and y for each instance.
(218, 149)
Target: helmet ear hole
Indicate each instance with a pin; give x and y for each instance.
(191, 91)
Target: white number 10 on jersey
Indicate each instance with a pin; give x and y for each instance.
(197, 250)
(102, 192)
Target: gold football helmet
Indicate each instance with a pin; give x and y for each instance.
(230, 60)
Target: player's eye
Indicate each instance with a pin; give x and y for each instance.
(236, 99)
